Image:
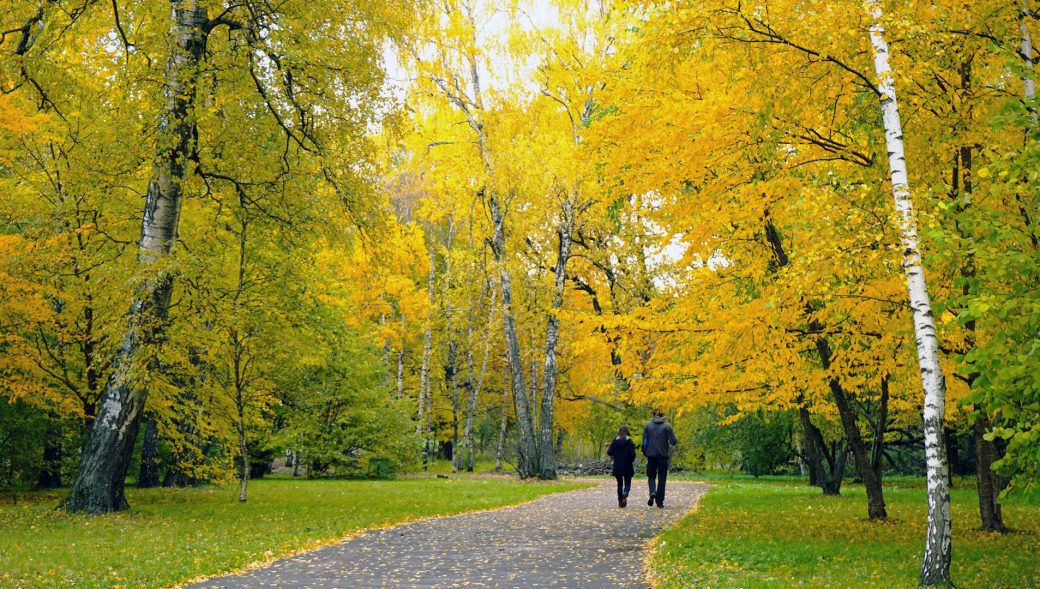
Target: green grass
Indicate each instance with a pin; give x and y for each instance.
(172, 536)
(781, 533)
(480, 466)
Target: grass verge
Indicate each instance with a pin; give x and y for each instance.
(776, 533)
(172, 536)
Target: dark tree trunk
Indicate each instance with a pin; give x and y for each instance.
(989, 483)
(826, 466)
(872, 484)
(50, 475)
(875, 499)
(451, 371)
(877, 450)
(105, 458)
(149, 473)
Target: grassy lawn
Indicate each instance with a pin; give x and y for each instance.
(172, 536)
(480, 466)
(781, 533)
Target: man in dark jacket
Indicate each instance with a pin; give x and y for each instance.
(658, 439)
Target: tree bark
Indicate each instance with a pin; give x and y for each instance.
(986, 454)
(503, 427)
(451, 376)
(400, 363)
(825, 467)
(243, 448)
(877, 450)
(527, 463)
(872, 484)
(475, 385)
(827, 477)
(988, 481)
(148, 476)
(1026, 52)
(547, 463)
(50, 474)
(935, 568)
(105, 458)
(424, 374)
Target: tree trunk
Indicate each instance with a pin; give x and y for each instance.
(451, 375)
(476, 385)
(400, 363)
(527, 463)
(877, 449)
(1026, 52)
(935, 568)
(503, 428)
(243, 448)
(875, 498)
(424, 374)
(827, 477)
(148, 476)
(825, 467)
(985, 451)
(105, 458)
(988, 481)
(547, 464)
(50, 474)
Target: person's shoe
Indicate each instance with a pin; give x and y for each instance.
(660, 505)
(650, 501)
(622, 502)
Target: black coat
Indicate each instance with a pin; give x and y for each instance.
(658, 438)
(623, 451)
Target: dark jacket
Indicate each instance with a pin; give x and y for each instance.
(658, 438)
(623, 451)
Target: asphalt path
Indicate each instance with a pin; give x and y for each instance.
(575, 540)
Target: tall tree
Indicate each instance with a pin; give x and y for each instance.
(935, 568)
(103, 464)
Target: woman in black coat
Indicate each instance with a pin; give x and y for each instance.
(623, 451)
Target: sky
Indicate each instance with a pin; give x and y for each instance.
(493, 22)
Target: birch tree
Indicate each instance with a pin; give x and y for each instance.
(935, 568)
(103, 464)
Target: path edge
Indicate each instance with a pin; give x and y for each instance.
(652, 544)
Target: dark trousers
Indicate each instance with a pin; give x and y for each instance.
(624, 484)
(657, 473)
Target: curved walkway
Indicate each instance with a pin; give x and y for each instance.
(578, 539)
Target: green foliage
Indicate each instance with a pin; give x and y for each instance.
(23, 432)
(758, 443)
(172, 536)
(340, 415)
(771, 533)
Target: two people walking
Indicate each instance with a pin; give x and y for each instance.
(658, 440)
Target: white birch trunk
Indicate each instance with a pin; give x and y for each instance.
(105, 458)
(935, 568)
(527, 464)
(400, 363)
(1028, 82)
(547, 453)
(424, 374)
(243, 448)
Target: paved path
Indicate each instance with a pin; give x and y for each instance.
(572, 540)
